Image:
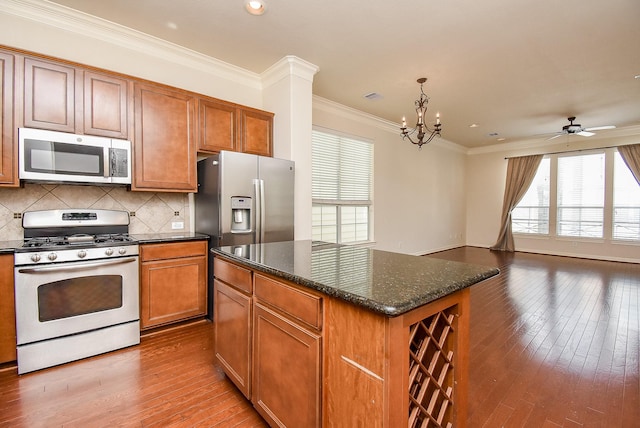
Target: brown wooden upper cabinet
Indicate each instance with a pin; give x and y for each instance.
(8, 159)
(49, 95)
(106, 105)
(165, 144)
(227, 126)
(217, 126)
(167, 126)
(65, 98)
(256, 135)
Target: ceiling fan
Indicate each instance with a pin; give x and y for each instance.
(576, 128)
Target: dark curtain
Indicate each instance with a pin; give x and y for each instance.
(520, 174)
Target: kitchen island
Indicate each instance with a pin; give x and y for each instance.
(329, 335)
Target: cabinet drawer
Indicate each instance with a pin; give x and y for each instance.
(232, 274)
(300, 306)
(172, 250)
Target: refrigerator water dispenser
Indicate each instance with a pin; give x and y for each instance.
(240, 214)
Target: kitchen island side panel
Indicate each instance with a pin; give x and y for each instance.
(397, 371)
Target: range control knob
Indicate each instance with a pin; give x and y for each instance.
(109, 251)
(122, 250)
(82, 254)
(52, 256)
(35, 258)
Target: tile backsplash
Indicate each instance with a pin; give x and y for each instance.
(150, 212)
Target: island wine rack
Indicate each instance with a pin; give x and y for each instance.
(431, 366)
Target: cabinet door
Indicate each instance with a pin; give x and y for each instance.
(106, 105)
(7, 311)
(286, 371)
(232, 320)
(172, 290)
(256, 133)
(8, 165)
(49, 95)
(164, 144)
(217, 126)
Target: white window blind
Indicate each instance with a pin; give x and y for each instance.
(626, 202)
(581, 195)
(342, 169)
(531, 215)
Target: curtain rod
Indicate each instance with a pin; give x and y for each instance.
(568, 151)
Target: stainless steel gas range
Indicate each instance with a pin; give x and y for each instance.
(76, 286)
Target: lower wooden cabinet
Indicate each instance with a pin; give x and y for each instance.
(173, 282)
(286, 370)
(7, 310)
(232, 312)
(268, 340)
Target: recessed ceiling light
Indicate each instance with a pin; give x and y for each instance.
(172, 25)
(255, 7)
(473, 125)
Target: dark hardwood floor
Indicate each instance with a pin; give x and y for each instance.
(554, 342)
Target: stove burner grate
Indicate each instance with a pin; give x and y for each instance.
(80, 239)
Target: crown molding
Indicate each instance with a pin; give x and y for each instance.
(70, 20)
(289, 66)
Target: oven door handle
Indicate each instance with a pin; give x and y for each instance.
(45, 269)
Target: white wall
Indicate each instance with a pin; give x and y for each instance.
(485, 182)
(419, 195)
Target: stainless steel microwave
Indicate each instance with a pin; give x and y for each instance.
(52, 156)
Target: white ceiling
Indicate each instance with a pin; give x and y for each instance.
(517, 68)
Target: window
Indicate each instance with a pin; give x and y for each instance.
(591, 195)
(341, 188)
(581, 195)
(626, 202)
(531, 215)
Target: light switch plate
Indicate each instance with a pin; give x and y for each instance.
(177, 225)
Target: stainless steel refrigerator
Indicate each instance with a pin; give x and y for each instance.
(243, 199)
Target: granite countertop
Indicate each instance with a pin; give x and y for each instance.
(384, 282)
(149, 238)
(8, 247)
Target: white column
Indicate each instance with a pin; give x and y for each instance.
(287, 92)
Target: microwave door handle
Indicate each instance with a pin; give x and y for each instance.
(106, 160)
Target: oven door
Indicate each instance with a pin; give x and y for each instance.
(63, 299)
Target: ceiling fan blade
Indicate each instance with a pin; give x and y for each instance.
(560, 134)
(600, 128)
(585, 133)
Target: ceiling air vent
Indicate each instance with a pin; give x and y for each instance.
(372, 96)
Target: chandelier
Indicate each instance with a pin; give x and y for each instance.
(424, 135)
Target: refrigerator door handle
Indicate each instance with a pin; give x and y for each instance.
(260, 209)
